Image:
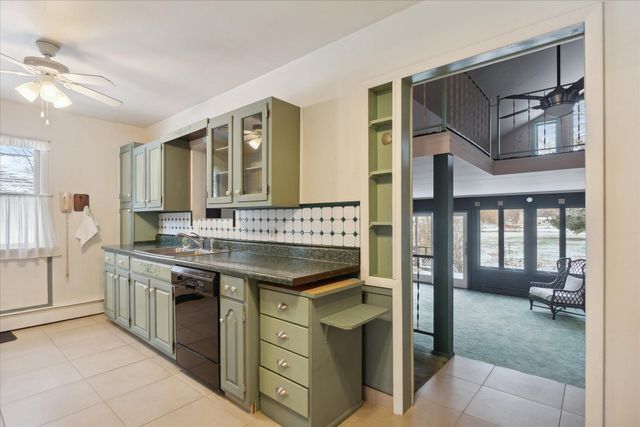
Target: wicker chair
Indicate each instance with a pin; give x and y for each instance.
(558, 294)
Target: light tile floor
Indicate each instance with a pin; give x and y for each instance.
(88, 372)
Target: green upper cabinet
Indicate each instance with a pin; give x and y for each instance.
(162, 176)
(126, 172)
(253, 156)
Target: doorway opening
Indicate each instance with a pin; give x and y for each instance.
(517, 217)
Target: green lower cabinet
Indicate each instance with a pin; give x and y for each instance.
(161, 306)
(122, 299)
(139, 306)
(109, 293)
(232, 347)
(310, 373)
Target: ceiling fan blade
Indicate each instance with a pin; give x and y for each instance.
(17, 73)
(515, 113)
(29, 68)
(525, 97)
(86, 79)
(578, 85)
(93, 94)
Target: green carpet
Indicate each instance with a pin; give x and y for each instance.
(501, 330)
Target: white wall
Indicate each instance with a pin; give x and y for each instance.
(83, 159)
(622, 210)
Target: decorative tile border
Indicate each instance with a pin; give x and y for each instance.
(174, 223)
(335, 225)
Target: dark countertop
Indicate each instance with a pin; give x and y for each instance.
(269, 268)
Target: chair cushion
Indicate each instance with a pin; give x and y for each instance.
(572, 283)
(544, 293)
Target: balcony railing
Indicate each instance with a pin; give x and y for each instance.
(457, 104)
(422, 275)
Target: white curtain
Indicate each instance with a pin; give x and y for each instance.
(26, 224)
(26, 227)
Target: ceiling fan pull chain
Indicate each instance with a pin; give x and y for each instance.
(46, 120)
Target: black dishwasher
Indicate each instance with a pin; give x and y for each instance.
(196, 314)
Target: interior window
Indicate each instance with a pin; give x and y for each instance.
(489, 238)
(545, 136)
(18, 170)
(514, 238)
(576, 232)
(548, 238)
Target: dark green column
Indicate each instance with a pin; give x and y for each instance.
(443, 255)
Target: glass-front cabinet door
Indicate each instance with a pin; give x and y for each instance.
(219, 160)
(251, 148)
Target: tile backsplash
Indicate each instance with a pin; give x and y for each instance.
(335, 225)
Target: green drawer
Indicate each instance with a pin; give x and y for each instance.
(232, 287)
(291, 308)
(286, 335)
(286, 392)
(122, 261)
(110, 258)
(285, 363)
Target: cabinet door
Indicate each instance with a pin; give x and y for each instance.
(122, 299)
(161, 295)
(125, 173)
(232, 347)
(110, 294)
(251, 150)
(126, 226)
(154, 175)
(139, 306)
(219, 160)
(139, 177)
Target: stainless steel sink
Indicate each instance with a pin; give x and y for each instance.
(178, 251)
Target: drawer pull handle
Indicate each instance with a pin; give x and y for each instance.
(233, 289)
(282, 364)
(282, 306)
(281, 391)
(282, 335)
(226, 288)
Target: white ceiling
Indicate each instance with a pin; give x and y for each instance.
(165, 56)
(469, 180)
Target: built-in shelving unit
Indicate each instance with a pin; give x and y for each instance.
(380, 181)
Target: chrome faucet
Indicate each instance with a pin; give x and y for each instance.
(193, 237)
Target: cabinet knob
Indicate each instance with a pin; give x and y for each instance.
(228, 193)
(282, 335)
(237, 191)
(152, 290)
(128, 195)
(282, 364)
(221, 320)
(233, 289)
(226, 288)
(282, 306)
(281, 391)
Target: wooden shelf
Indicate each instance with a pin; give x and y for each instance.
(381, 122)
(379, 173)
(380, 224)
(354, 317)
(225, 148)
(253, 168)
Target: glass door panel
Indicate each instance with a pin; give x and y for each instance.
(460, 249)
(219, 160)
(251, 143)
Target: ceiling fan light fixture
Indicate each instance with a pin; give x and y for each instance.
(560, 110)
(62, 101)
(29, 91)
(48, 90)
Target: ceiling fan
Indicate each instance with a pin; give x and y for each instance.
(559, 102)
(50, 72)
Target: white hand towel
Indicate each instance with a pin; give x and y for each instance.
(88, 227)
